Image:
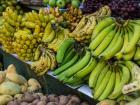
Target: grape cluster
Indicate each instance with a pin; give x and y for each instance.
(91, 6)
(127, 9)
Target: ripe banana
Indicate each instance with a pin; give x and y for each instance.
(95, 73)
(106, 41)
(50, 37)
(66, 66)
(101, 26)
(62, 49)
(110, 86)
(101, 76)
(103, 84)
(95, 42)
(134, 39)
(117, 47)
(87, 69)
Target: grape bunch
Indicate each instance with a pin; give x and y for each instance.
(127, 9)
(91, 6)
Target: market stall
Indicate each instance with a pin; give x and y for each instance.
(87, 48)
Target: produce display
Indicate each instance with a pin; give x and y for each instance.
(97, 45)
(47, 99)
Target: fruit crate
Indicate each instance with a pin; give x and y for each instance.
(48, 82)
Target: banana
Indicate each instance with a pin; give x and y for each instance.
(137, 54)
(95, 74)
(87, 69)
(126, 41)
(110, 86)
(37, 53)
(103, 84)
(101, 26)
(62, 49)
(134, 40)
(65, 66)
(79, 65)
(50, 37)
(125, 79)
(101, 76)
(47, 31)
(131, 54)
(117, 47)
(52, 57)
(68, 56)
(101, 36)
(106, 41)
(111, 45)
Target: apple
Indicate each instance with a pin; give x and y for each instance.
(67, 1)
(76, 3)
(52, 3)
(61, 3)
(45, 2)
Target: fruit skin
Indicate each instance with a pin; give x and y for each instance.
(61, 3)
(102, 25)
(95, 73)
(134, 40)
(65, 66)
(52, 3)
(104, 43)
(109, 88)
(103, 84)
(117, 47)
(95, 42)
(87, 69)
(62, 49)
(125, 79)
(75, 3)
(137, 54)
(101, 76)
(50, 37)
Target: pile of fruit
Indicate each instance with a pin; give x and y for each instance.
(62, 3)
(48, 99)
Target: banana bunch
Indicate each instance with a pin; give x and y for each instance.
(84, 29)
(74, 68)
(112, 39)
(107, 80)
(8, 28)
(46, 62)
(56, 38)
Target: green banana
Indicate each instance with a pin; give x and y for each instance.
(102, 25)
(95, 73)
(111, 45)
(65, 66)
(117, 47)
(101, 76)
(87, 69)
(95, 42)
(137, 54)
(104, 43)
(79, 65)
(119, 55)
(103, 84)
(68, 56)
(134, 39)
(62, 49)
(109, 88)
(125, 79)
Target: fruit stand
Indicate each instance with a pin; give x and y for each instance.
(69, 52)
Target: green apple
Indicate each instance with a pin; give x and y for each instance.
(67, 1)
(45, 2)
(61, 3)
(52, 3)
(76, 3)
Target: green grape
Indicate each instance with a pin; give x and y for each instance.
(31, 46)
(22, 42)
(30, 37)
(24, 37)
(23, 51)
(25, 46)
(29, 51)
(23, 55)
(34, 41)
(29, 55)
